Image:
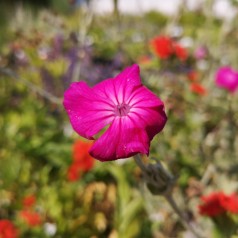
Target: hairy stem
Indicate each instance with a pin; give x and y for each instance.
(158, 178)
(183, 219)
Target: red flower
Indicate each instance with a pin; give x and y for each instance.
(162, 46)
(198, 89)
(82, 160)
(73, 173)
(192, 75)
(218, 203)
(230, 203)
(165, 47)
(7, 229)
(81, 154)
(31, 218)
(29, 201)
(212, 205)
(180, 52)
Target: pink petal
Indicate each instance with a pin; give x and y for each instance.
(148, 110)
(125, 86)
(227, 78)
(120, 88)
(127, 81)
(152, 120)
(88, 112)
(143, 97)
(124, 138)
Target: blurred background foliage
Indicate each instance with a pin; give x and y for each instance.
(46, 45)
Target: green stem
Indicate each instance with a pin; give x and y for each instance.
(139, 162)
(167, 195)
(184, 220)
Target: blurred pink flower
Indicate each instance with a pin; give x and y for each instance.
(133, 113)
(201, 52)
(227, 78)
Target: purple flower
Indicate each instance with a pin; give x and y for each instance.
(227, 78)
(133, 114)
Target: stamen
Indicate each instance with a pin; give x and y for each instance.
(122, 110)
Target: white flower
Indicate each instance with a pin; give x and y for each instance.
(50, 228)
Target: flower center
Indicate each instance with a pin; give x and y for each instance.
(122, 110)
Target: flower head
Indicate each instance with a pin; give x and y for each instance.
(198, 89)
(7, 229)
(29, 201)
(32, 218)
(163, 46)
(73, 172)
(193, 75)
(180, 52)
(133, 113)
(227, 78)
(218, 203)
(81, 154)
(230, 203)
(82, 160)
(201, 52)
(212, 205)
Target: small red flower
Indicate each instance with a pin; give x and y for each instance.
(218, 203)
(165, 47)
(162, 46)
(180, 52)
(29, 201)
(198, 89)
(73, 173)
(212, 205)
(7, 229)
(31, 218)
(81, 154)
(192, 75)
(230, 203)
(82, 160)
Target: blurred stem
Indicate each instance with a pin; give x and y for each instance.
(116, 10)
(85, 21)
(231, 126)
(183, 219)
(31, 86)
(139, 162)
(150, 178)
(208, 173)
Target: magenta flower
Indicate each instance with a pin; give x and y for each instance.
(133, 114)
(227, 78)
